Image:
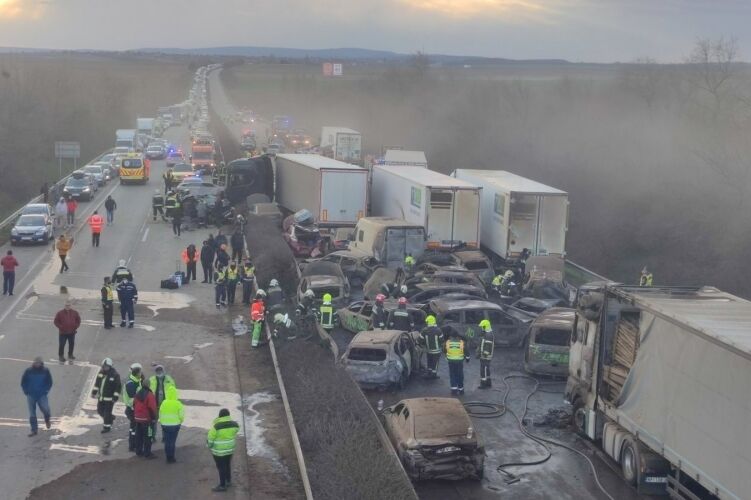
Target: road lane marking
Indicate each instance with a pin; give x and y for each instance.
(145, 235)
(87, 322)
(186, 359)
(91, 449)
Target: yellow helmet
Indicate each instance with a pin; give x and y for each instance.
(430, 320)
(327, 298)
(484, 325)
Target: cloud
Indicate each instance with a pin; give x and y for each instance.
(21, 9)
(510, 10)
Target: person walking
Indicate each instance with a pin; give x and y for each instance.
(145, 414)
(157, 205)
(67, 321)
(121, 272)
(158, 384)
(485, 353)
(61, 212)
(45, 192)
(431, 337)
(96, 222)
(220, 286)
(127, 294)
(247, 277)
(108, 298)
(207, 261)
(72, 206)
(171, 416)
(36, 383)
(130, 389)
(9, 264)
(177, 220)
(237, 242)
(221, 442)
(63, 246)
(110, 205)
(233, 274)
(106, 391)
(190, 256)
(222, 257)
(456, 355)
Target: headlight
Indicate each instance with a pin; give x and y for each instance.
(40, 232)
(65, 189)
(86, 189)
(14, 230)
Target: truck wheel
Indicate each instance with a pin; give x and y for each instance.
(630, 461)
(578, 416)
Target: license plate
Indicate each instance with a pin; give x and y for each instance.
(26, 238)
(655, 479)
(447, 449)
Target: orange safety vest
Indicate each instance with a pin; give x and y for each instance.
(185, 255)
(96, 222)
(257, 310)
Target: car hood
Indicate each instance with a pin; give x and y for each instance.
(29, 229)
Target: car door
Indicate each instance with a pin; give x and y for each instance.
(506, 328)
(348, 316)
(406, 352)
(391, 422)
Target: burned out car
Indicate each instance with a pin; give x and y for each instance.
(547, 347)
(358, 316)
(435, 439)
(355, 266)
(537, 306)
(476, 262)
(422, 293)
(448, 277)
(323, 278)
(382, 358)
(509, 327)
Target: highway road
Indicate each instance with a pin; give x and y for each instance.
(179, 329)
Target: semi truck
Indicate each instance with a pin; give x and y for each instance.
(145, 126)
(341, 143)
(125, 138)
(336, 193)
(660, 377)
(405, 158)
(448, 208)
(519, 213)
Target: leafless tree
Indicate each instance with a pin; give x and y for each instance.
(643, 77)
(712, 66)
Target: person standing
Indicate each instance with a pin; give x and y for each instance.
(106, 390)
(237, 242)
(177, 219)
(158, 384)
(456, 355)
(9, 264)
(96, 222)
(144, 414)
(36, 383)
(171, 416)
(157, 205)
(110, 205)
(72, 206)
(326, 313)
(45, 192)
(61, 212)
(380, 315)
(233, 274)
(401, 319)
(220, 286)
(127, 294)
(108, 298)
(190, 257)
(646, 278)
(221, 442)
(485, 353)
(257, 315)
(222, 257)
(130, 389)
(221, 239)
(168, 178)
(247, 277)
(207, 260)
(431, 337)
(67, 321)
(63, 246)
(409, 263)
(121, 272)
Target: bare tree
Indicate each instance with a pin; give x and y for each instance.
(643, 77)
(712, 66)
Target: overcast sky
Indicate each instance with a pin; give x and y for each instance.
(577, 30)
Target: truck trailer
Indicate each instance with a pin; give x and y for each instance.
(519, 213)
(125, 138)
(405, 158)
(388, 240)
(660, 377)
(448, 208)
(341, 143)
(336, 193)
(145, 126)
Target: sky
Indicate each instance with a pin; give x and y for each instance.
(577, 30)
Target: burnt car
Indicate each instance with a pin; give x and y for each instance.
(476, 262)
(382, 358)
(302, 235)
(323, 278)
(355, 266)
(422, 293)
(537, 306)
(547, 346)
(509, 327)
(435, 439)
(358, 316)
(448, 277)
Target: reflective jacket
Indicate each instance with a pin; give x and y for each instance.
(232, 273)
(171, 202)
(121, 273)
(646, 280)
(257, 310)
(157, 200)
(379, 317)
(96, 222)
(220, 277)
(159, 387)
(274, 296)
(327, 316)
(106, 386)
(401, 320)
(455, 350)
(171, 411)
(127, 292)
(190, 254)
(431, 337)
(486, 346)
(221, 437)
(248, 274)
(130, 389)
(108, 294)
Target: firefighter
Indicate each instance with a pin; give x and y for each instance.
(400, 318)
(275, 295)
(284, 327)
(380, 315)
(106, 390)
(121, 273)
(326, 313)
(456, 355)
(108, 298)
(130, 389)
(257, 313)
(233, 275)
(247, 276)
(127, 294)
(409, 263)
(171, 204)
(431, 337)
(305, 305)
(157, 205)
(220, 286)
(485, 353)
(646, 277)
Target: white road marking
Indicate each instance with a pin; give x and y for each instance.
(186, 359)
(145, 234)
(91, 449)
(202, 346)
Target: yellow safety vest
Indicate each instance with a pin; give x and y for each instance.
(231, 275)
(455, 350)
(327, 316)
(110, 293)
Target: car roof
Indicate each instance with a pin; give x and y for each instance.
(444, 305)
(562, 317)
(375, 337)
(323, 280)
(36, 205)
(423, 287)
(322, 268)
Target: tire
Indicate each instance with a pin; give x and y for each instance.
(630, 461)
(578, 417)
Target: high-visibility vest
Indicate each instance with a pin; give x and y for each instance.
(196, 257)
(96, 222)
(455, 350)
(497, 280)
(232, 274)
(646, 280)
(409, 260)
(221, 276)
(327, 316)
(248, 273)
(110, 293)
(171, 411)
(431, 335)
(221, 437)
(257, 310)
(127, 400)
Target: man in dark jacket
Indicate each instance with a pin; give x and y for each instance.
(220, 240)
(36, 384)
(110, 205)
(145, 414)
(106, 390)
(237, 241)
(207, 261)
(67, 322)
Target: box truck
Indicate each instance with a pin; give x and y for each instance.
(448, 208)
(519, 213)
(341, 143)
(405, 158)
(336, 193)
(125, 138)
(145, 126)
(659, 377)
(388, 240)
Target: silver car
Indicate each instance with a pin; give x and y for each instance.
(97, 172)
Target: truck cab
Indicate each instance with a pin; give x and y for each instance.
(388, 240)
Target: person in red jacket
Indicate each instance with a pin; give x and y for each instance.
(67, 322)
(9, 264)
(72, 206)
(96, 222)
(144, 414)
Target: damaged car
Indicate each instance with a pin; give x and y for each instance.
(355, 266)
(358, 316)
(509, 327)
(302, 234)
(435, 439)
(380, 359)
(547, 347)
(324, 277)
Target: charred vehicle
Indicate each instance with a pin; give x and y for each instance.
(358, 316)
(547, 346)
(323, 278)
(382, 358)
(302, 235)
(510, 327)
(355, 266)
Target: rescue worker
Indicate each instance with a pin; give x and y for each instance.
(144, 414)
(96, 222)
(220, 286)
(191, 256)
(130, 389)
(400, 318)
(237, 242)
(247, 276)
(157, 205)
(127, 294)
(496, 283)
(121, 273)
(402, 292)
(409, 263)
(171, 416)
(485, 353)
(207, 261)
(646, 277)
(233, 276)
(326, 313)
(431, 337)
(108, 298)
(169, 180)
(257, 314)
(222, 257)
(274, 295)
(380, 315)
(158, 384)
(284, 327)
(177, 218)
(305, 304)
(106, 390)
(170, 204)
(456, 355)
(221, 442)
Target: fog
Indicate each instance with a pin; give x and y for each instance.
(655, 157)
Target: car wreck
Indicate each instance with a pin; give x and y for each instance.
(358, 316)
(324, 278)
(547, 347)
(380, 359)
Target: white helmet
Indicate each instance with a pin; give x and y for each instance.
(260, 293)
(273, 282)
(403, 289)
(279, 318)
(121, 263)
(309, 293)
(136, 366)
(107, 362)
(508, 274)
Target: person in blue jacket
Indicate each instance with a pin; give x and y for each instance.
(36, 384)
(127, 294)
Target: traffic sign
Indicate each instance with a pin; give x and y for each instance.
(69, 150)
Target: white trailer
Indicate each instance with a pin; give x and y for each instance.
(405, 158)
(145, 126)
(336, 193)
(341, 143)
(448, 208)
(519, 213)
(125, 138)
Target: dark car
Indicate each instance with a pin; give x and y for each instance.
(355, 266)
(32, 228)
(423, 293)
(175, 157)
(448, 277)
(358, 316)
(509, 327)
(323, 278)
(80, 185)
